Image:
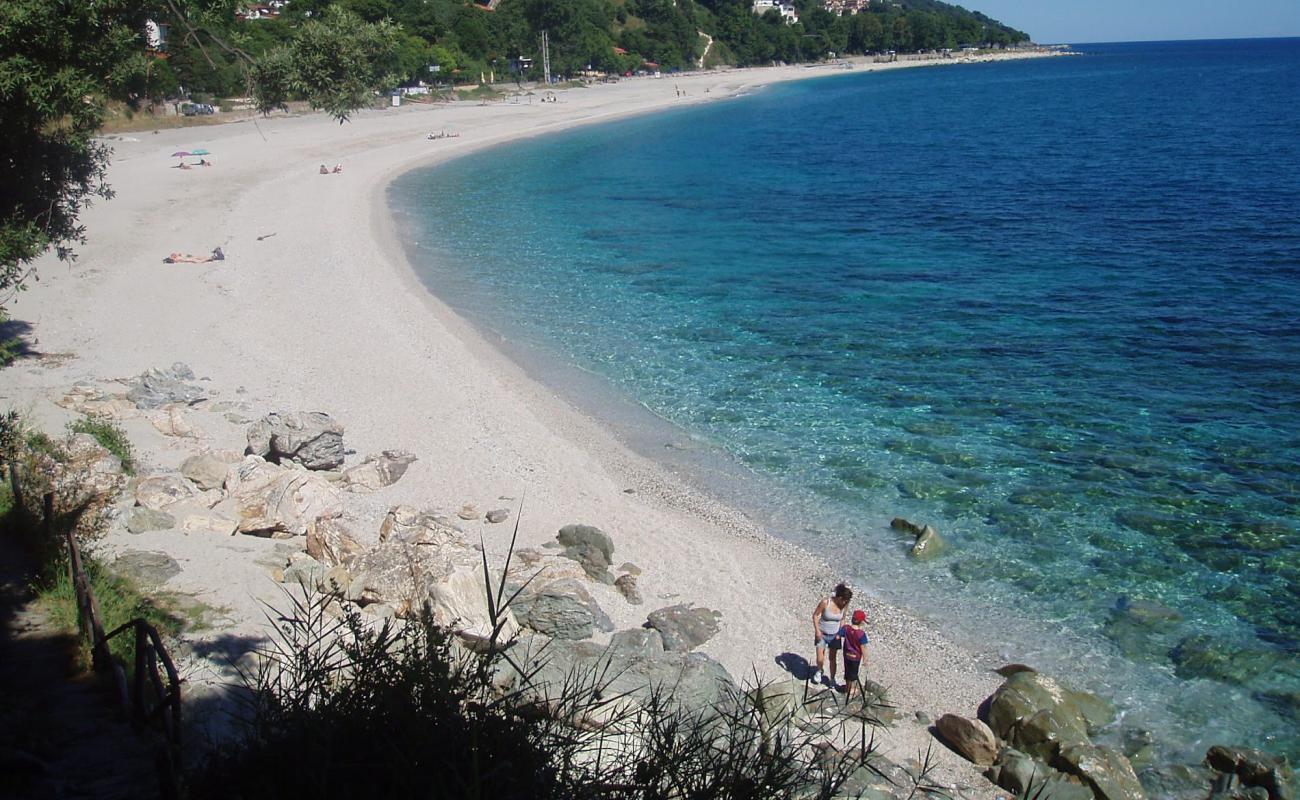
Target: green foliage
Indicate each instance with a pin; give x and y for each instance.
(111, 437)
(56, 56)
(336, 63)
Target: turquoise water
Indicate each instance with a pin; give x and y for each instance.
(1049, 307)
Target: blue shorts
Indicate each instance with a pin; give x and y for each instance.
(833, 642)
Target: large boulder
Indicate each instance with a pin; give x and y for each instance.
(1038, 715)
(147, 568)
(378, 471)
(158, 387)
(1107, 771)
(156, 492)
(310, 438)
(206, 470)
(562, 610)
(409, 525)
(969, 737)
(266, 499)
(330, 542)
(684, 627)
(1022, 775)
(143, 520)
(589, 546)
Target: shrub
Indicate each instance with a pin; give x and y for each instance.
(111, 437)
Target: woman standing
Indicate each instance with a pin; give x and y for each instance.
(827, 618)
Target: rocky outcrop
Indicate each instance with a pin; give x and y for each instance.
(378, 471)
(156, 492)
(266, 499)
(969, 737)
(311, 439)
(589, 546)
(1039, 716)
(562, 610)
(1107, 771)
(159, 387)
(206, 470)
(683, 627)
(1021, 774)
(330, 542)
(928, 544)
(409, 525)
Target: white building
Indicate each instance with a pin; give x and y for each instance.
(785, 9)
(843, 7)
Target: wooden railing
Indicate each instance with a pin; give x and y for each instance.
(154, 705)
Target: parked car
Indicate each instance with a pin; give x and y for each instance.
(197, 109)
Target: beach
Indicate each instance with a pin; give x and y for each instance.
(315, 308)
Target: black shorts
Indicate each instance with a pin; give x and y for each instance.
(851, 670)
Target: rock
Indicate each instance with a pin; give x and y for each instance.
(906, 526)
(684, 628)
(1178, 781)
(1203, 656)
(630, 568)
(330, 543)
(928, 544)
(1255, 768)
(1106, 770)
(969, 737)
(923, 718)
(265, 498)
(406, 524)
(379, 611)
(1037, 715)
(562, 610)
(308, 573)
(1017, 772)
(627, 585)
(142, 519)
(311, 439)
(647, 640)
(468, 512)
(149, 569)
(378, 471)
(589, 546)
(205, 470)
(157, 388)
(194, 517)
(159, 491)
(337, 580)
(171, 420)
(1007, 670)
(92, 401)
(498, 515)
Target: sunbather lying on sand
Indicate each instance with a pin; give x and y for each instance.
(186, 258)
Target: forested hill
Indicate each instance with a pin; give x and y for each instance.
(466, 39)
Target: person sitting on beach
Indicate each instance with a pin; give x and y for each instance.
(186, 258)
(337, 169)
(854, 637)
(827, 618)
(203, 162)
(324, 170)
(182, 165)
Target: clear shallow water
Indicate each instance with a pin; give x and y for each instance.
(1049, 307)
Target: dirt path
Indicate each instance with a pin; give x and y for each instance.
(60, 732)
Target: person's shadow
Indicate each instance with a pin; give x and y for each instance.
(796, 665)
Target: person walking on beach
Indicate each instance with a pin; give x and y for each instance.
(827, 619)
(854, 637)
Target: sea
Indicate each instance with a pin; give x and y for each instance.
(1050, 307)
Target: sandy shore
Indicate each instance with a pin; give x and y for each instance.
(315, 308)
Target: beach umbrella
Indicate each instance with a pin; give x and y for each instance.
(181, 154)
(200, 152)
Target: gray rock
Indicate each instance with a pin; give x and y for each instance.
(1107, 771)
(1178, 781)
(1017, 772)
(311, 439)
(143, 519)
(158, 387)
(589, 546)
(683, 627)
(562, 610)
(923, 718)
(1038, 715)
(149, 569)
(627, 585)
(498, 515)
(205, 470)
(969, 737)
(308, 573)
(647, 640)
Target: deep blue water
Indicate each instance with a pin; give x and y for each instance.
(1048, 306)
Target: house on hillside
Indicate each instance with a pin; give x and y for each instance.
(846, 7)
(789, 14)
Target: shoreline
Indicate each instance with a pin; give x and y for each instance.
(303, 320)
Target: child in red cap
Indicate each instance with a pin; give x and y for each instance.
(854, 637)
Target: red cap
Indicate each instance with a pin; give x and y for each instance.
(859, 616)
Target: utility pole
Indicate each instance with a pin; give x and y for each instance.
(546, 57)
